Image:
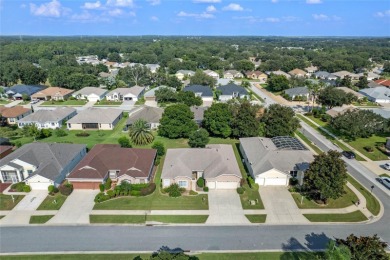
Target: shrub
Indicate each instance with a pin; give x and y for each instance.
(200, 182)
(59, 132)
(368, 149)
(108, 183)
(82, 134)
(174, 190)
(251, 182)
(50, 188)
(111, 193)
(66, 189)
(18, 186)
(325, 118)
(124, 142)
(139, 187)
(159, 146)
(101, 187)
(206, 189)
(308, 114)
(100, 197)
(45, 133)
(157, 161)
(193, 193)
(148, 190)
(26, 188)
(240, 190)
(136, 193)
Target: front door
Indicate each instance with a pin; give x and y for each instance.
(14, 178)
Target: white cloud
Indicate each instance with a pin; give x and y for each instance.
(121, 3)
(203, 15)
(323, 17)
(87, 17)
(383, 14)
(272, 20)
(51, 9)
(233, 7)
(23, 6)
(211, 9)
(88, 5)
(154, 18)
(154, 2)
(274, 1)
(115, 12)
(255, 19)
(313, 2)
(206, 1)
(132, 14)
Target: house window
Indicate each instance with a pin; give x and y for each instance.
(294, 173)
(29, 172)
(11, 120)
(183, 184)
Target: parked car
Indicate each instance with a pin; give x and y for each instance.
(34, 101)
(385, 181)
(349, 154)
(387, 166)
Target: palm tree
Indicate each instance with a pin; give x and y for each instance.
(139, 133)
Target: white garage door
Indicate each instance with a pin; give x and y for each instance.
(211, 184)
(275, 182)
(39, 185)
(227, 185)
(94, 99)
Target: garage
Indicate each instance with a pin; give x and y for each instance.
(38, 182)
(211, 184)
(226, 185)
(275, 182)
(86, 185)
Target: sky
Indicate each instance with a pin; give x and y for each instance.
(196, 17)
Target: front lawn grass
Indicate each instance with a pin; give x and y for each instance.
(65, 103)
(108, 103)
(117, 219)
(248, 195)
(53, 202)
(6, 202)
(141, 219)
(384, 175)
(348, 199)
(40, 219)
(4, 102)
(256, 218)
(372, 203)
(356, 216)
(372, 141)
(181, 219)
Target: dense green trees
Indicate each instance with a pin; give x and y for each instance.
(202, 79)
(217, 120)
(199, 138)
(177, 121)
(278, 82)
(244, 121)
(326, 177)
(189, 98)
(165, 95)
(138, 75)
(333, 97)
(362, 83)
(279, 121)
(364, 247)
(243, 65)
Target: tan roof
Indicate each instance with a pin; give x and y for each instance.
(96, 115)
(53, 91)
(348, 90)
(296, 72)
(257, 73)
(10, 112)
(339, 110)
(105, 157)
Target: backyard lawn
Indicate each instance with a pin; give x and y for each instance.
(40, 219)
(256, 218)
(6, 202)
(65, 103)
(356, 216)
(346, 200)
(52, 202)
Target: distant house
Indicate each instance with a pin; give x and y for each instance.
(52, 93)
(41, 164)
(48, 119)
(279, 72)
(257, 75)
(13, 114)
(198, 114)
(298, 73)
(231, 91)
(348, 90)
(343, 73)
(95, 119)
(105, 161)
(180, 74)
(151, 94)
(273, 161)
(16, 92)
(211, 73)
(294, 93)
(383, 112)
(310, 70)
(125, 94)
(325, 75)
(216, 164)
(153, 67)
(90, 94)
(378, 94)
(232, 74)
(204, 92)
(370, 76)
(373, 84)
(337, 111)
(383, 82)
(151, 115)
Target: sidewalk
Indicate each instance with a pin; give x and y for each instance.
(150, 212)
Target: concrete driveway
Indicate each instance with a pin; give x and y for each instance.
(76, 208)
(280, 206)
(225, 208)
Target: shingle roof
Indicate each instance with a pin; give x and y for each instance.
(90, 90)
(198, 112)
(348, 90)
(297, 72)
(231, 88)
(26, 89)
(104, 157)
(298, 91)
(53, 91)
(96, 115)
(152, 92)
(204, 90)
(214, 160)
(149, 114)
(135, 90)
(377, 93)
(50, 158)
(10, 112)
(42, 116)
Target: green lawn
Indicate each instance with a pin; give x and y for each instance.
(4, 102)
(2, 217)
(178, 218)
(65, 103)
(366, 104)
(6, 202)
(40, 219)
(108, 103)
(256, 218)
(141, 219)
(52, 202)
(384, 175)
(117, 219)
(308, 142)
(346, 200)
(372, 203)
(356, 216)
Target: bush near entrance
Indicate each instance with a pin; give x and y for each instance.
(200, 182)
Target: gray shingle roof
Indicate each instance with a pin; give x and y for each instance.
(149, 114)
(204, 90)
(96, 115)
(231, 88)
(298, 91)
(151, 93)
(376, 93)
(26, 89)
(135, 90)
(42, 116)
(90, 90)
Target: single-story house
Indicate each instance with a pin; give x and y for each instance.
(312, 69)
(125, 94)
(5, 150)
(41, 164)
(378, 94)
(112, 161)
(293, 93)
(298, 73)
(383, 112)
(232, 74)
(16, 92)
(151, 94)
(48, 119)
(90, 93)
(151, 115)
(343, 73)
(273, 161)
(231, 91)
(95, 119)
(152, 67)
(279, 72)
(373, 84)
(198, 114)
(383, 82)
(336, 111)
(216, 164)
(181, 74)
(353, 92)
(211, 73)
(52, 93)
(204, 92)
(256, 75)
(370, 75)
(13, 114)
(325, 75)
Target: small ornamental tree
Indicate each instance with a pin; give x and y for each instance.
(365, 248)
(159, 146)
(199, 138)
(124, 142)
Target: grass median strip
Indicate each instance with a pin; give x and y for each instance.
(356, 216)
(308, 142)
(6, 202)
(259, 218)
(372, 203)
(52, 202)
(40, 219)
(141, 219)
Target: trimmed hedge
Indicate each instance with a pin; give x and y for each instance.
(82, 134)
(200, 182)
(66, 189)
(240, 190)
(148, 190)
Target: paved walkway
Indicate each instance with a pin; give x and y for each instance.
(13, 103)
(225, 208)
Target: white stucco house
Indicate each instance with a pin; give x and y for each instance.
(231, 91)
(125, 94)
(48, 119)
(95, 119)
(90, 94)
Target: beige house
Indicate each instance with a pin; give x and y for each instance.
(53, 93)
(343, 73)
(13, 114)
(181, 74)
(95, 119)
(216, 164)
(212, 74)
(298, 73)
(232, 74)
(257, 75)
